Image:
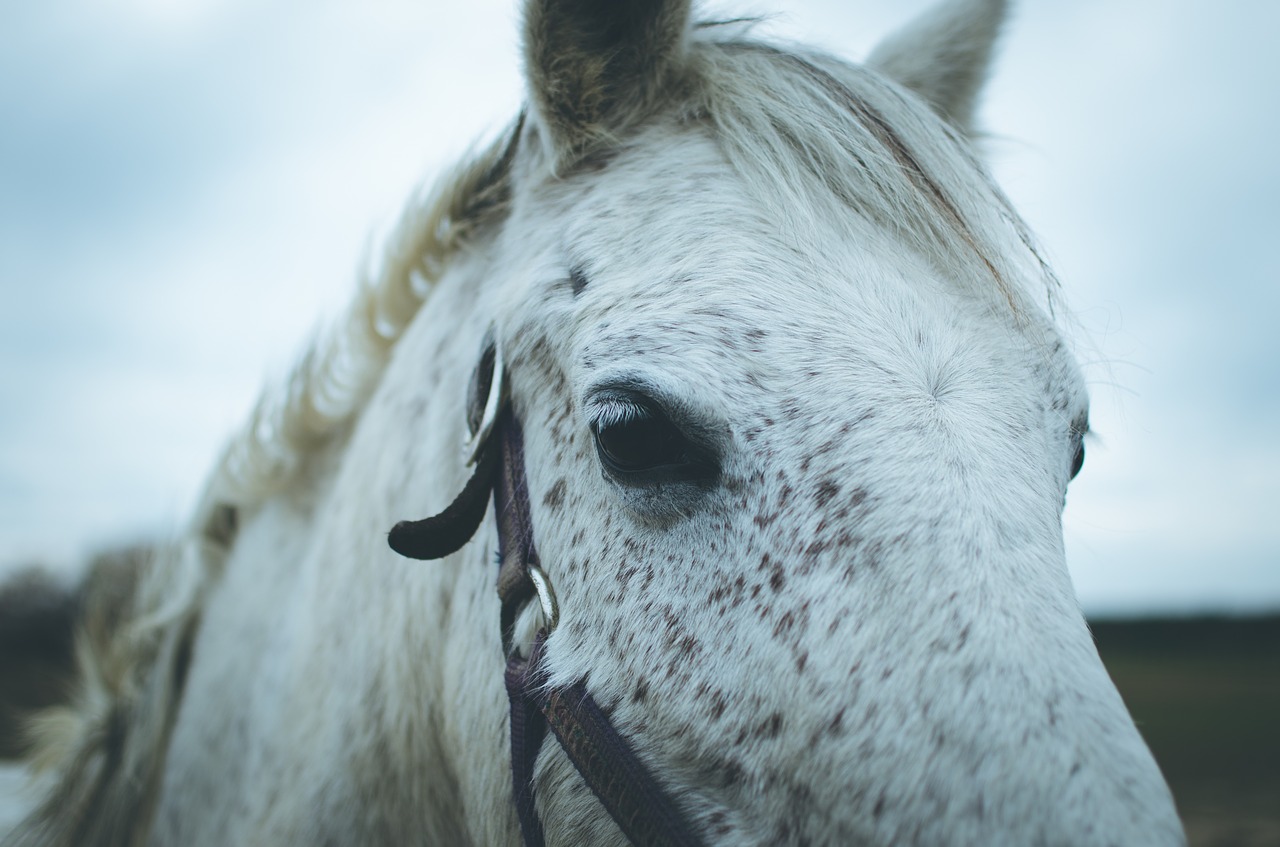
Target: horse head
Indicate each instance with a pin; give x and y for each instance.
(798, 428)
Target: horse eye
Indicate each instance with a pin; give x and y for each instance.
(1077, 462)
(644, 440)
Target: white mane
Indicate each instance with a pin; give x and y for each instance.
(804, 125)
(340, 368)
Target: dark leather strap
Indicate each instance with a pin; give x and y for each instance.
(444, 534)
(528, 729)
(516, 551)
(645, 813)
(625, 787)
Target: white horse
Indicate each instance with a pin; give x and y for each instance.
(797, 430)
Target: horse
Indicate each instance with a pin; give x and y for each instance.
(750, 379)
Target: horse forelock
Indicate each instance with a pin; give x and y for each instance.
(803, 126)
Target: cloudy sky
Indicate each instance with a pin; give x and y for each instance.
(187, 186)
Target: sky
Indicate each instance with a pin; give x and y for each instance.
(187, 187)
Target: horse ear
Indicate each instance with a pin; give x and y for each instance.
(944, 55)
(596, 66)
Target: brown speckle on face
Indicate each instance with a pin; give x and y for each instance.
(555, 495)
(772, 726)
(827, 490)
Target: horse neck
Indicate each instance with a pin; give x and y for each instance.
(352, 672)
(409, 642)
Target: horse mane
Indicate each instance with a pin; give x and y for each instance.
(341, 367)
(137, 616)
(106, 747)
(802, 126)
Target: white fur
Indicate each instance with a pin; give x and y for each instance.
(864, 633)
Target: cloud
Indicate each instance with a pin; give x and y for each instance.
(180, 204)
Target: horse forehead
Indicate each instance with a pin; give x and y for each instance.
(669, 230)
(820, 342)
(669, 196)
(689, 271)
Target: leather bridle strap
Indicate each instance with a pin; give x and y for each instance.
(645, 813)
(628, 791)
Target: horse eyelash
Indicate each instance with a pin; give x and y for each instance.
(607, 412)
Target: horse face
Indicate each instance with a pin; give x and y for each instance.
(798, 484)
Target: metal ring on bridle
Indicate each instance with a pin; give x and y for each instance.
(546, 598)
(492, 405)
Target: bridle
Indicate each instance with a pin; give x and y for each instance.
(643, 810)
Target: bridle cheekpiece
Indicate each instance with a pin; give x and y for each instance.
(643, 810)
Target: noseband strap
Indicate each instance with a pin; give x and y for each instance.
(645, 813)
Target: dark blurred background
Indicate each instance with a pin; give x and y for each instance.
(1205, 692)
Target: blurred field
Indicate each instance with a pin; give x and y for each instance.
(1206, 694)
